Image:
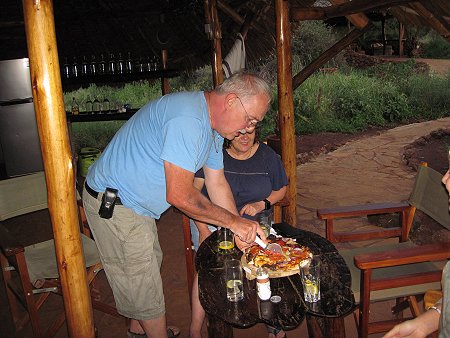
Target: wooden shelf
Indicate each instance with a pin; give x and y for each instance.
(112, 116)
(85, 81)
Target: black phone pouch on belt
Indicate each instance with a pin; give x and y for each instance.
(109, 199)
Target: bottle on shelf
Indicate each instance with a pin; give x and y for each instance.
(111, 64)
(106, 106)
(148, 65)
(74, 69)
(102, 65)
(129, 64)
(139, 67)
(84, 67)
(155, 62)
(93, 66)
(120, 65)
(75, 108)
(88, 105)
(96, 106)
(66, 68)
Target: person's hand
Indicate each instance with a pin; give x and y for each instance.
(241, 244)
(252, 209)
(418, 327)
(247, 229)
(407, 329)
(446, 180)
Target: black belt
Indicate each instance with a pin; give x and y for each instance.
(94, 193)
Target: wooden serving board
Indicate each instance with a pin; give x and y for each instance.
(250, 270)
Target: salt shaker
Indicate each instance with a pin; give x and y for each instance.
(263, 283)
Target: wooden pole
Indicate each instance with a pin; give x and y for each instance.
(165, 86)
(383, 31)
(401, 34)
(59, 171)
(216, 43)
(286, 106)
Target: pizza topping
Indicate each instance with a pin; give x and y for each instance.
(292, 255)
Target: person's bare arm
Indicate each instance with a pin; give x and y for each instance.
(256, 207)
(181, 193)
(421, 326)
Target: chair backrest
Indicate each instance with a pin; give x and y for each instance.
(430, 196)
(22, 195)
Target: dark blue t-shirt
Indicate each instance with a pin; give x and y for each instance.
(253, 180)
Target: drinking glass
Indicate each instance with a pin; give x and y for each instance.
(225, 240)
(234, 280)
(265, 221)
(310, 276)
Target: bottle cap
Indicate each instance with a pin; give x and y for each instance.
(275, 299)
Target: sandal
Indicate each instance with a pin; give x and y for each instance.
(275, 331)
(170, 334)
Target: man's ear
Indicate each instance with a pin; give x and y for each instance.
(229, 99)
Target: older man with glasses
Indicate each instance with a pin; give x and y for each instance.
(150, 165)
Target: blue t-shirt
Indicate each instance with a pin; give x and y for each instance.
(253, 180)
(174, 128)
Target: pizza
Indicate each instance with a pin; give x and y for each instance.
(278, 264)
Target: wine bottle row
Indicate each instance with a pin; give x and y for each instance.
(83, 67)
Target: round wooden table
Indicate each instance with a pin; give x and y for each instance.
(325, 318)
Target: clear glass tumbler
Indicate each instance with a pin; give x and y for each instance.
(234, 280)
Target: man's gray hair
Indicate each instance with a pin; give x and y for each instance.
(245, 83)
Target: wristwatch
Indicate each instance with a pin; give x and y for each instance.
(268, 205)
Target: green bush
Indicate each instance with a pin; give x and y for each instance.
(93, 134)
(435, 46)
(428, 96)
(136, 94)
(346, 103)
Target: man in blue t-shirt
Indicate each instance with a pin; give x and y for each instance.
(150, 165)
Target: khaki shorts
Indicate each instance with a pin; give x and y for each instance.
(131, 256)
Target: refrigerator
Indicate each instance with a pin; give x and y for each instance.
(20, 151)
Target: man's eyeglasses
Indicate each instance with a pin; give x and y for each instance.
(251, 121)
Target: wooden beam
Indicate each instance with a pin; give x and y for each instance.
(359, 20)
(286, 106)
(326, 56)
(344, 9)
(58, 164)
(430, 19)
(236, 17)
(437, 10)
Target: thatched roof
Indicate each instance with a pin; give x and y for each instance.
(143, 27)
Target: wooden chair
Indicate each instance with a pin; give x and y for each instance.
(189, 248)
(30, 273)
(397, 270)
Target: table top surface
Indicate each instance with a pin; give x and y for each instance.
(335, 286)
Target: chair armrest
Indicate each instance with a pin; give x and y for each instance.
(361, 210)
(422, 253)
(8, 244)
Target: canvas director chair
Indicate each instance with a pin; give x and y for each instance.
(400, 270)
(30, 273)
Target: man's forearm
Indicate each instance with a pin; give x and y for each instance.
(198, 207)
